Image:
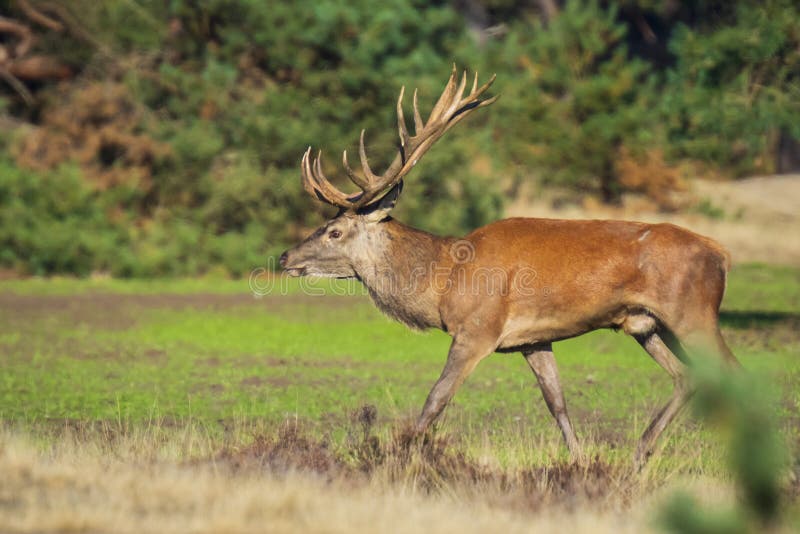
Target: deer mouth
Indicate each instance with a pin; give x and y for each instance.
(295, 271)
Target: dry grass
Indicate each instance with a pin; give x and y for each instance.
(179, 479)
(648, 173)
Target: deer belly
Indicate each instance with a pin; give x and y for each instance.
(553, 325)
(526, 332)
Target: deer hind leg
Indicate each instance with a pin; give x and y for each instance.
(464, 356)
(708, 342)
(694, 337)
(725, 351)
(699, 336)
(643, 329)
(543, 365)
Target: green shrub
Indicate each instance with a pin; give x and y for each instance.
(576, 97)
(209, 106)
(53, 222)
(734, 87)
(737, 405)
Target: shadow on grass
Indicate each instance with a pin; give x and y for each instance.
(744, 319)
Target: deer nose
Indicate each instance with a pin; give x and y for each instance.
(283, 259)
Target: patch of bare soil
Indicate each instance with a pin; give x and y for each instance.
(756, 219)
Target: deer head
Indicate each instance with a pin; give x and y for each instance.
(350, 241)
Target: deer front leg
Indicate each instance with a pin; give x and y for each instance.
(464, 355)
(543, 365)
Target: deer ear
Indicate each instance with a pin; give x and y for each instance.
(380, 210)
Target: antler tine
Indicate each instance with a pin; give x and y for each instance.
(463, 111)
(358, 180)
(457, 102)
(362, 155)
(416, 154)
(418, 124)
(402, 130)
(306, 175)
(445, 99)
(324, 185)
(316, 184)
(484, 87)
(471, 102)
(339, 198)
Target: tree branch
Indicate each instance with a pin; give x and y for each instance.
(17, 85)
(38, 17)
(22, 32)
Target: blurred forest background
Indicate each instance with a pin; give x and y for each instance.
(149, 138)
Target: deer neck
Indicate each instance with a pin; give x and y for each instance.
(401, 270)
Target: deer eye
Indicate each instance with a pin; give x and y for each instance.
(335, 234)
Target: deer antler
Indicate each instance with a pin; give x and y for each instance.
(448, 111)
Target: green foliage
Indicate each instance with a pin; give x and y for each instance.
(733, 85)
(272, 80)
(757, 453)
(216, 101)
(52, 222)
(236, 91)
(578, 97)
(735, 403)
(683, 515)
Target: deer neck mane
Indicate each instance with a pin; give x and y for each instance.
(400, 272)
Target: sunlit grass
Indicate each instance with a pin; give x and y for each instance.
(317, 359)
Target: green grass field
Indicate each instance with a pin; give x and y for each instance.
(208, 351)
(129, 406)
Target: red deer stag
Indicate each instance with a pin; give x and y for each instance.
(516, 285)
